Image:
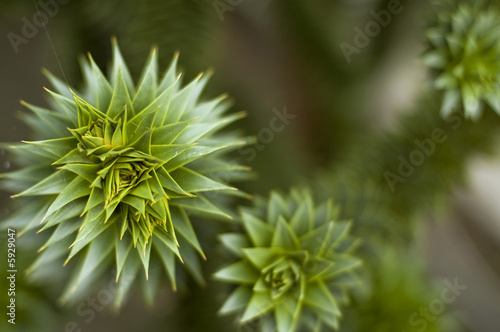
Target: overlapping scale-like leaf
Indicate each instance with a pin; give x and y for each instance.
(294, 264)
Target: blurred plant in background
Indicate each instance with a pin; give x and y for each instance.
(465, 50)
(399, 298)
(380, 141)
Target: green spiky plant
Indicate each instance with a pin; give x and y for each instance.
(294, 264)
(119, 168)
(465, 53)
(358, 183)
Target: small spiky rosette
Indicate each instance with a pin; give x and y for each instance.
(294, 265)
(120, 166)
(465, 53)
